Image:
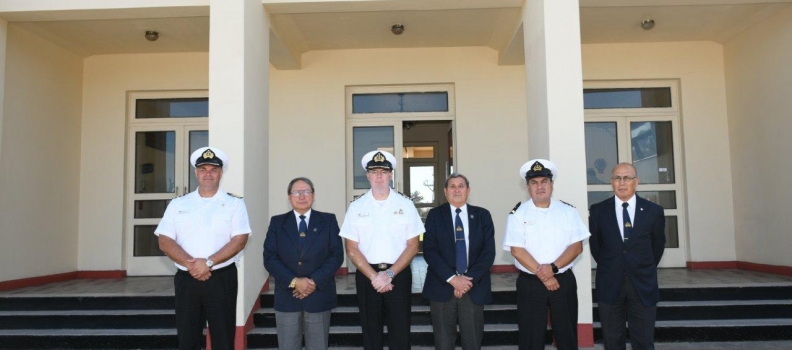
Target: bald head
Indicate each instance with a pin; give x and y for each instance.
(625, 166)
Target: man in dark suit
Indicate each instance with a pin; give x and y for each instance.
(459, 247)
(627, 241)
(302, 251)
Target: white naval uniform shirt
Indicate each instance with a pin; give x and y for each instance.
(382, 229)
(544, 232)
(201, 226)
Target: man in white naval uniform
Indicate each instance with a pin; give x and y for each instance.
(203, 232)
(545, 236)
(381, 231)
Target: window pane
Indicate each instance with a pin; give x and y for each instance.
(666, 199)
(627, 98)
(652, 146)
(671, 232)
(601, 152)
(422, 152)
(150, 209)
(146, 242)
(422, 182)
(595, 197)
(155, 162)
(364, 140)
(400, 102)
(172, 108)
(198, 139)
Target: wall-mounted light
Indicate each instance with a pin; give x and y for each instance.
(647, 24)
(397, 29)
(152, 35)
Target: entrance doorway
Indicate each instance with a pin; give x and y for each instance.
(164, 129)
(415, 124)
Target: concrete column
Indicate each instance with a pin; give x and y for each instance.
(239, 125)
(554, 79)
(3, 43)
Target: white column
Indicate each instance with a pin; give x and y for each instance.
(239, 122)
(3, 44)
(554, 79)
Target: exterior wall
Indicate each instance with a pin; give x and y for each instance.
(699, 68)
(758, 78)
(308, 122)
(107, 79)
(39, 164)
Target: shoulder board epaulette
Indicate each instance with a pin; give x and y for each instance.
(234, 195)
(354, 198)
(566, 203)
(515, 208)
(404, 195)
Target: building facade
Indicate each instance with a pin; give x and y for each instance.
(96, 121)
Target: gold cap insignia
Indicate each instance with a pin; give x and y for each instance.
(537, 167)
(379, 157)
(208, 154)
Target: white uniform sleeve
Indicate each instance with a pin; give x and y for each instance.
(348, 228)
(240, 224)
(514, 236)
(581, 231)
(416, 225)
(167, 225)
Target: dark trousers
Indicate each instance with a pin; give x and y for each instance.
(628, 308)
(213, 300)
(391, 308)
(533, 300)
(462, 311)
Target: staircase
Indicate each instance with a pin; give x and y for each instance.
(716, 314)
(110, 322)
(68, 320)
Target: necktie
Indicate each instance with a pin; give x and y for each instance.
(303, 230)
(461, 247)
(626, 220)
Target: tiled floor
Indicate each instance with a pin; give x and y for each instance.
(159, 286)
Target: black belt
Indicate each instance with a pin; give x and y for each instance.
(381, 266)
(222, 269)
(533, 275)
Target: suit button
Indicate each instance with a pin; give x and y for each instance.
(299, 263)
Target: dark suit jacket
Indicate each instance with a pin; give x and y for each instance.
(319, 259)
(440, 253)
(638, 257)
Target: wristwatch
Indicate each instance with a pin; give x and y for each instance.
(390, 273)
(555, 268)
(209, 263)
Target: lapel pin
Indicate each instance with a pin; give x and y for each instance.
(641, 209)
(314, 229)
(471, 216)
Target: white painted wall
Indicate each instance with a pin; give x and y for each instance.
(758, 81)
(307, 122)
(106, 81)
(40, 160)
(705, 132)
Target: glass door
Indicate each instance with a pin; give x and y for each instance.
(158, 171)
(651, 144)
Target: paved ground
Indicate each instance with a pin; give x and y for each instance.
(761, 345)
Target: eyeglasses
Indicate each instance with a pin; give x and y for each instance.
(623, 178)
(303, 192)
(378, 173)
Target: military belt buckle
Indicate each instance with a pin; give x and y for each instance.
(382, 266)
